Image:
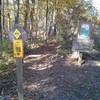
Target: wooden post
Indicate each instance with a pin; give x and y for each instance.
(19, 69)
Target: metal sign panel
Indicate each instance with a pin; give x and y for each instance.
(17, 34)
(22, 34)
(18, 48)
(84, 32)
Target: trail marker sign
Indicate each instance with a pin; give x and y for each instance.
(84, 41)
(18, 54)
(17, 34)
(85, 30)
(18, 48)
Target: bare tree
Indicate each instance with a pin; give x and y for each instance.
(0, 23)
(17, 12)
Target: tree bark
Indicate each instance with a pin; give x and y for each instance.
(45, 36)
(17, 12)
(36, 17)
(1, 26)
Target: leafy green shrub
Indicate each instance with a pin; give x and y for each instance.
(5, 56)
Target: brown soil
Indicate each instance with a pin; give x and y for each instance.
(49, 76)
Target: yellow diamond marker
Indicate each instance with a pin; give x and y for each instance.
(17, 34)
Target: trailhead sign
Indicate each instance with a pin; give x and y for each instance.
(84, 32)
(83, 42)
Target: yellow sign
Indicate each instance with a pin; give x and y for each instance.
(17, 34)
(18, 48)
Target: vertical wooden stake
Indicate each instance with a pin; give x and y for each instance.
(19, 67)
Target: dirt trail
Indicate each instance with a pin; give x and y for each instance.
(48, 76)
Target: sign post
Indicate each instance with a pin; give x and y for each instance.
(84, 41)
(19, 69)
(18, 54)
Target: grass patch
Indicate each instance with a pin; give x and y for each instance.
(5, 59)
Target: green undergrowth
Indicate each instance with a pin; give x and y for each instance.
(5, 61)
(6, 57)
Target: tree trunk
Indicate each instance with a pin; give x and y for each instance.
(0, 28)
(27, 11)
(17, 12)
(36, 17)
(1, 40)
(45, 36)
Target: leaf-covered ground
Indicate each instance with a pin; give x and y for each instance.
(49, 76)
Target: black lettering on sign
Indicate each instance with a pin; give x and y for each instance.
(18, 49)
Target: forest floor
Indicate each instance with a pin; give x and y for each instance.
(50, 76)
